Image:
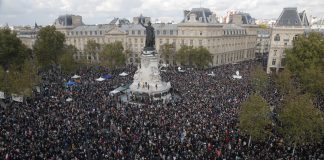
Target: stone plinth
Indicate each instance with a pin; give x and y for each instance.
(147, 79)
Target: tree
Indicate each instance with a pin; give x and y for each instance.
(184, 54)
(12, 51)
(306, 61)
(92, 48)
(22, 80)
(112, 55)
(167, 51)
(284, 82)
(254, 117)
(301, 122)
(259, 79)
(2, 79)
(49, 46)
(201, 57)
(67, 62)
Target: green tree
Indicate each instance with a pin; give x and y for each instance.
(301, 122)
(12, 51)
(2, 79)
(92, 48)
(49, 46)
(185, 55)
(201, 57)
(22, 80)
(259, 79)
(167, 51)
(112, 55)
(306, 60)
(254, 117)
(284, 82)
(67, 62)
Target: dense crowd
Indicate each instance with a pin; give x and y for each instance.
(201, 124)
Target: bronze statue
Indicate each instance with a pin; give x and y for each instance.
(150, 36)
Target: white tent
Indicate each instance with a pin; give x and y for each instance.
(180, 70)
(75, 76)
(2, 95)
(237, 76)
(211, 74)
(17, 98)
(114, 92)
(100, 79)
(69, 99)
(123, 74)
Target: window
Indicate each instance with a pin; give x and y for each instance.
(158, 32)
(200, 33)
(76, 33)
(275, 52)
(133, 32)
(72, 33)
(95, 32)
(277, 37)
(142, 40)
(139, 32)
(164, 32)
(100, 32)
(274, 61)
(191, 42)
(171, 32)
(90, 33)
(85, 33)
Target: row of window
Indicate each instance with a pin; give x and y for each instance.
(157, 32)
(86, 33)
(235, 32)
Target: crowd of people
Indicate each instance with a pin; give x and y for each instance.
(201, 124)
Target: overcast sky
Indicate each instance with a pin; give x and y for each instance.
(23, 12)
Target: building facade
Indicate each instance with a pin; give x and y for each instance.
(288, 26)
(228, 43)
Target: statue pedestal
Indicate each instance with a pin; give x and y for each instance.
(147, 80)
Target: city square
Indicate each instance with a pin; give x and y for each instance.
(207, 87)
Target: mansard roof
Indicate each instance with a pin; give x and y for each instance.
(290, 17)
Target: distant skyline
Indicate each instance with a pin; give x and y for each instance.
(44, 12)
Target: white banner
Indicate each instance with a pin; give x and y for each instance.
(2, 95)
(17, 98)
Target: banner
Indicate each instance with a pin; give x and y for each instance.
(17, 98)
(2, 95)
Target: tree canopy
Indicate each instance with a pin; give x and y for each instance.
(200, 57)
(259, 78)
(67, 62)
(301, 122)
(112, 55)
(12, 50)
(254, 117)
(92, 48)
(306, 60)
(49, 46)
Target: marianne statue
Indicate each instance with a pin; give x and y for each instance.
(150, 37)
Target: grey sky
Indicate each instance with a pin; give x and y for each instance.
(21, 12)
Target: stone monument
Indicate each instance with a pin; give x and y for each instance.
(147, 80)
